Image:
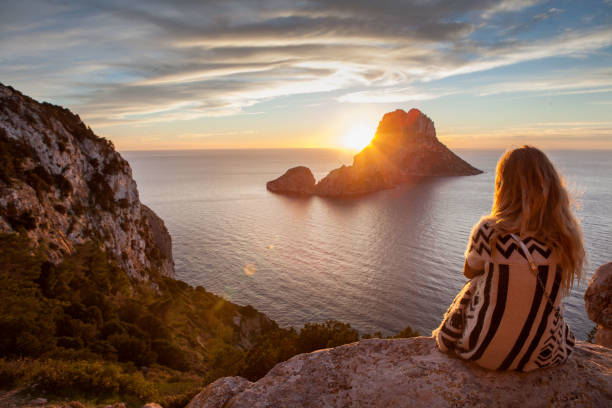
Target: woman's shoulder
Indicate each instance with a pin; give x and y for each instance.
(479, 241)
(484, 226)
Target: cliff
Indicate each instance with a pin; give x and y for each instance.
(88, 303)
(404, 148)
(64, 186)
(413, 373)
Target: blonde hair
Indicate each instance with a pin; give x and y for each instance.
(531, 199)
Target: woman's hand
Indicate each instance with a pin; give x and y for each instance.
(469, 272)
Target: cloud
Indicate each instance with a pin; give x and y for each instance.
(391, 95)
(507, 6)
(121, 63)
(547, 135)
(548, 14)
(555, 82)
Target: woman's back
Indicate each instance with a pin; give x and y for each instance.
(513, 320)
(509, 316)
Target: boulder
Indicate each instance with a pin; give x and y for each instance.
(219, 392)
(297, 180)
(413, 373)
(598, 302)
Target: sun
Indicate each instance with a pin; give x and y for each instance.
(358, 136)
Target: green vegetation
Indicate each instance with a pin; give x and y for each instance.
(82, 329)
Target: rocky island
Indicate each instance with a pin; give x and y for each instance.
(404, 148)
(297, 180)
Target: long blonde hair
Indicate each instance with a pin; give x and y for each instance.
(531, 199)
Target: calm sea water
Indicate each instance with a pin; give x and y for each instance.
(379, 262)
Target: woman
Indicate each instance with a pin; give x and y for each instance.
(521, 259)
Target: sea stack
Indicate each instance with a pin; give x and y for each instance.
(297, 181)
(404, 148)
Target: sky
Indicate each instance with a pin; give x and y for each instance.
(187, 74)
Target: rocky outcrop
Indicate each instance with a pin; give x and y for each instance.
(404, 148)
(598, 302)
(162, 241)
(413, 373)
(62, 186)
(297, 180)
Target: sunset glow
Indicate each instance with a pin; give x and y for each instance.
(358, 136)
(243, 74)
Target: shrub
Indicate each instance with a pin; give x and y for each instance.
(332, 333)
(270, 349)
(63, 185)
(102, 193)
(407, 332)
(132, 349)
(114, 165)
(92, 378)
(170, 355)
(18, 220)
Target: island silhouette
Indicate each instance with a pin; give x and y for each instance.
(404, 148)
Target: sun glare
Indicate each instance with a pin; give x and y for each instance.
(358, 136)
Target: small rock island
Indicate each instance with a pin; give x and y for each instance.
(297, 180)
(405, 148)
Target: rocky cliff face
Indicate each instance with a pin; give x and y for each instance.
(404, 148)
(413, 373)
(62, 185)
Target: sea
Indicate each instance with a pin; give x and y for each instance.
(380, 262)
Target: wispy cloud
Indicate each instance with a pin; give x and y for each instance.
(555, 82)
(506, 6)
(120, 63)
(551, 12)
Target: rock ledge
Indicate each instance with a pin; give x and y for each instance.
(413, 373)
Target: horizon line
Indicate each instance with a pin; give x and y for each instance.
(350, 150)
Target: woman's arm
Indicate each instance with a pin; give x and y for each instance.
(470, 272)
(478, 251)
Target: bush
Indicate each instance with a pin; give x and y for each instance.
(12, 153)
(406, 332)
(92, 378)
(101, 192)
(315, 336)
(63, 185)
(18, 220)
(132, 349)
(170, 355)
(271, 348)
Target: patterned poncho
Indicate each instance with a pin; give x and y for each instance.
(504, 319)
